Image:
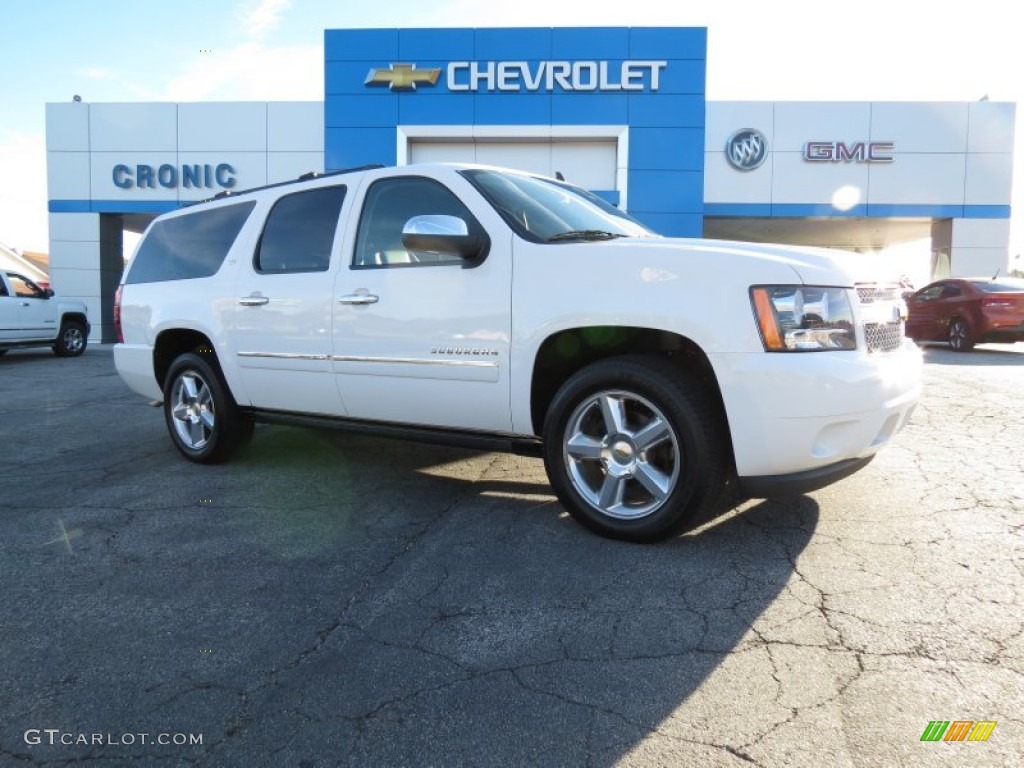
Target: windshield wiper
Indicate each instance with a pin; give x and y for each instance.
(584, 234)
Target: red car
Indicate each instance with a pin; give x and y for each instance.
(967, 311)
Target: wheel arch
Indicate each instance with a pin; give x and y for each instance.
(565, 352)
(171, 343)
(75, 317)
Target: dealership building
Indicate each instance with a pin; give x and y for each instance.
(619, 111)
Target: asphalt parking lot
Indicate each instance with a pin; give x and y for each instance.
(327, 599)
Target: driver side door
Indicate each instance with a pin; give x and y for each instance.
(423, 337)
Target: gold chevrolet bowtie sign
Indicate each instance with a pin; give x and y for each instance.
(403, 77)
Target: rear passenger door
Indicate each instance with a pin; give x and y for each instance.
(423, 338)
(284, 306)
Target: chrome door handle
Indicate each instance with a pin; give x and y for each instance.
(253, 301)
(358, 298)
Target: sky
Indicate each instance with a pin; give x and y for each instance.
(272, 50)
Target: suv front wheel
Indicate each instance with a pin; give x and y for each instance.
(202, 417)
(634, 448)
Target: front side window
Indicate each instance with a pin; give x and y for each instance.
(188, 246)
(25, 288)
(390, 203)
(299, 232)
(548, 211)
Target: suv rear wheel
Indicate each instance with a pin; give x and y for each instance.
(203, 420)
(634, 448)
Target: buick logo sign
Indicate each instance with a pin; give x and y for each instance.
(746, 149)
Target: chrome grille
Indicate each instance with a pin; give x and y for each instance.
(883, 337)
(870, 294)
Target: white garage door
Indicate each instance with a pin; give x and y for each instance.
(587, 164)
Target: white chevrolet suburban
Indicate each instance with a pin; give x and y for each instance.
(502, 310)
(31, 316)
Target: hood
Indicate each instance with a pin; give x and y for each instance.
(811, 266)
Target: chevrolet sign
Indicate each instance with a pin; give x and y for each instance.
(523, 75)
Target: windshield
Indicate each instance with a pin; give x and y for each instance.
(544, 210)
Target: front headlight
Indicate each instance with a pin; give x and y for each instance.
(803, 318)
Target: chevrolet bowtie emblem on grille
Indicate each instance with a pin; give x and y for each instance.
(403, 77)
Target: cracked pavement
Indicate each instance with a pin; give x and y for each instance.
(326, 599)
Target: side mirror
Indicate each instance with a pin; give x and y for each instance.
(48, 293)
(445, 235)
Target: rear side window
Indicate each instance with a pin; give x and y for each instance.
(189, 246)
(299, 232)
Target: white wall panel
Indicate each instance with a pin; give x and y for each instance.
(222, 127)
(75, 226)
(977, 262)
(724, 184)
(102, 175)
(67, 175)
(295, 126)
(990, 127)
(921, 179)
(724, 118)
(285, 166)
(75, 254)
(797, 181)
(920, 126)
(133, 127)
(797, 123)
(980, 233)
(75, 282)
(989, 179)
(67, 127)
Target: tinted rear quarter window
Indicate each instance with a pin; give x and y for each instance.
(299, 232)
(189, 246)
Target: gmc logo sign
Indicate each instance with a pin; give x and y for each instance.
(860, 152)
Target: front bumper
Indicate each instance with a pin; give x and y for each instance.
(797, 483)
(792, 414)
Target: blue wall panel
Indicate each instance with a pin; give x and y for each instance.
(361, 112)
(351, 147)
(589, 109)
(668, 43)
(666, 191)
(585, 43)
(360, 44)
(673, 224)
(513, 44)
(416, 44)
(675, 149)
(512, 109)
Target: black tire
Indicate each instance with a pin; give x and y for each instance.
(960, 337)
(71, 340)
(202, 417)
(605, 480)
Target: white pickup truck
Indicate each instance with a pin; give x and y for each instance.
(502, 310)
(31, 316)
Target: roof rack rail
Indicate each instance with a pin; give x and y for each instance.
(304, 177)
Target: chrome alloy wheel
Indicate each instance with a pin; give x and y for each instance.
(73, 338)
(192, 410)
(621, 454)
